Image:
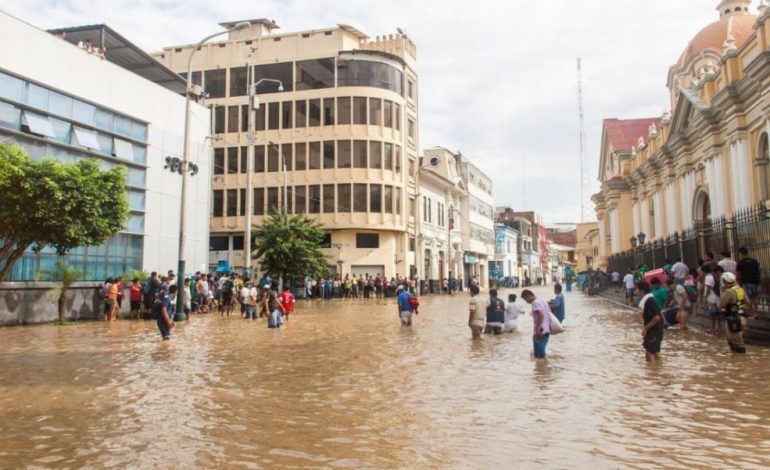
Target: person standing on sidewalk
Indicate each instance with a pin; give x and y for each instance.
(749, 277)
(477, 316)
(541, 314)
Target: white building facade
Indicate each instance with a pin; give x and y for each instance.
(59, 101)
(479, 231)
(506, 259)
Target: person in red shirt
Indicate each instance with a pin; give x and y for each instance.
(287, 301)
(135, 297)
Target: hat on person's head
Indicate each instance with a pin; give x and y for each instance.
(728, 278)
(400, 288)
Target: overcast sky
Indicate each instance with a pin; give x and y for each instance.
(498, 79)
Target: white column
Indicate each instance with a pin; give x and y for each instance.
(745, 180)
(658, 230)
(720, 195)
(686, 196)
(645, 216)
(637, 217)
(603, 236)
(614, 231)
(735, 174)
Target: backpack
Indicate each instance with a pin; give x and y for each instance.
(272, 301)
(414, 302)
(227, 287)
(692, 294)
(147, 287)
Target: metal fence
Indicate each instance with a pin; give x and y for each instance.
(749, 228)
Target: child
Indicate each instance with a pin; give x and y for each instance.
(287, 300)
(512, 313)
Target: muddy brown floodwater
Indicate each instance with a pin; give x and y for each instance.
(344, 385)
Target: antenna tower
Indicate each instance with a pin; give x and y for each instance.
(585, 172)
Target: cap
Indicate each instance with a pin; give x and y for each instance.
(400, 288)
(728, 277)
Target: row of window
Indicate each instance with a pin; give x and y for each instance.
(482, 234)
(311, 199)
(222, 242)
(301, 75)
(480, 207)
(427, 211)
(67, 133)
(70, 108)
(303, 156)
(310, 113)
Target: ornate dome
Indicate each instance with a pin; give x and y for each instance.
(737, 27)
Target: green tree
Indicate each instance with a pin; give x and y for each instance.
(289, 245)
(66, 276)
(56, 204)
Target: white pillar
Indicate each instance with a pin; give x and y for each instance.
(745, 180)
(645, 216)
(658, 230)
(603, 236)
(672, 209)
(637, 217)
(614, 232)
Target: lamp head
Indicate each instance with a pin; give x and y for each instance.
(280, 87)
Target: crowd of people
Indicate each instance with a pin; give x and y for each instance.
(374, 286)
(726, 290)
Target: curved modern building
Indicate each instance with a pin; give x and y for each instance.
(336, 138)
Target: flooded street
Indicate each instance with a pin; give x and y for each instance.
(344, 385)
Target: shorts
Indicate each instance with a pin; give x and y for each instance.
(406, 318)
(653, 340)
(227, 299)
(136, 304)
(539, 343)
(670, 316)
(629, 293)
(164, 331)
(493, 329)
(713, 310)
(752, 290)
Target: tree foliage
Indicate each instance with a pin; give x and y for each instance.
(289, 245)
(66, 276)
(56, 204)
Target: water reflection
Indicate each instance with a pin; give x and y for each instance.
(345, 385)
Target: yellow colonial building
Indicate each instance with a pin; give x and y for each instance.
(705, 159)
(335, 137)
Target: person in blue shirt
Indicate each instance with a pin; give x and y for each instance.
(557, 304)
(404, 309)
(165, 314)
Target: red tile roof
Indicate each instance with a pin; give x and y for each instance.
(624, 133)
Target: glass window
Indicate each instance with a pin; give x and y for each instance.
(397, 158)
(328, 111)
(286, 156)
(84, 112)
(398, 201)
(219, 120)
(273, 116)
(410, 89)
(136, 177)
(300, 200)
(122, 125)
(139, 131)
(232, 202)
(135, 224)
(272, 199)
(343, 154)
(237, 242)
(289, 200)
(242, 202)
(388, 156)
(282, 72)
(136, 200)
(387, 111)
(244, 158)
(343, 110)
(314, 162)
(375, 111)
(245, 118)
(367, 240)
(259, 201)
(328, 199)
(259, 159)
(315, 113)
(40, 125)
(215, 83)
(359, 110)
(10, 116)
(369, 73)
(397, 119)
(343, 198)
(219, 243)
(410, 129)
(286, 112)
(232, 160)
(11, 88)
(104, 119)
(238, 85)
(217, 204)
(328, 154)
(300, 162)
(315, 74)
(62, 131)
(86, 138)
(375, 198)
(375, 154)
(314, 199)
(300, 113)
(106, 147)
(196, 77)
(123, 149)
(219, 161)
(359, 153)
(272, 158)
(37, 96)
(259, 123)
(140, 154)
(360, 193)
(388, 199)
(58, 104)
(232, 118)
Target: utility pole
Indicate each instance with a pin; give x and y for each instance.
(250, 141)
(585, 172)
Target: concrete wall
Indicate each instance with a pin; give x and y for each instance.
(24, 303)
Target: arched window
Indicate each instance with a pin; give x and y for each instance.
(701, 207)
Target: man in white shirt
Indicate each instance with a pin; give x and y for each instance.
(615, 276)
(628, 282)
(728, 264)
(249, 299)
(679, 271)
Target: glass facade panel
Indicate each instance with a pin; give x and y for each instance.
(38, 124)
(37, 96)
(370, 74)
(300, 151)
(259, 201)
(328, 105)
(328, 155)
(286, 113)
(135, 224)
(122, 125)
(219, 120)
(343, 197)
(314, 199)
(359, 110)
(273, 116)
(84, 112)
(11, 88)
(259, 123)
(140, 154)
(315, 74)
(375, 154)
(388, 196)
(219, 161)
(360, 148)
(243, 151)
(105, 119)
(217, 203)
(300, 200)
(136, 200)
(62, 130)
(343, 154)
(314, 161)
(232, 160)
(232, 118)
(272, 158)
(244, 118)
(286, 156)
(259, 159)
(272, 199)
(10, 116)
(282, 72)
(360, 201)
(242, 202)
(123, 149)
(314, 113)
(59, 104)
(214, 81)
(238, 85)
(85, 138)
(387, 111)
(343, 110)
(397, 118)
(232, 202)
(375, 111)
(300, 113)
(329, 199)
(388, 154)
(375, 198)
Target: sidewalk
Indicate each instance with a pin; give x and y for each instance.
(757, 331)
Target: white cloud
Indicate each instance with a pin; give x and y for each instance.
(498, 79)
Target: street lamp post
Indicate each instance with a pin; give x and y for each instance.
(181, 267)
